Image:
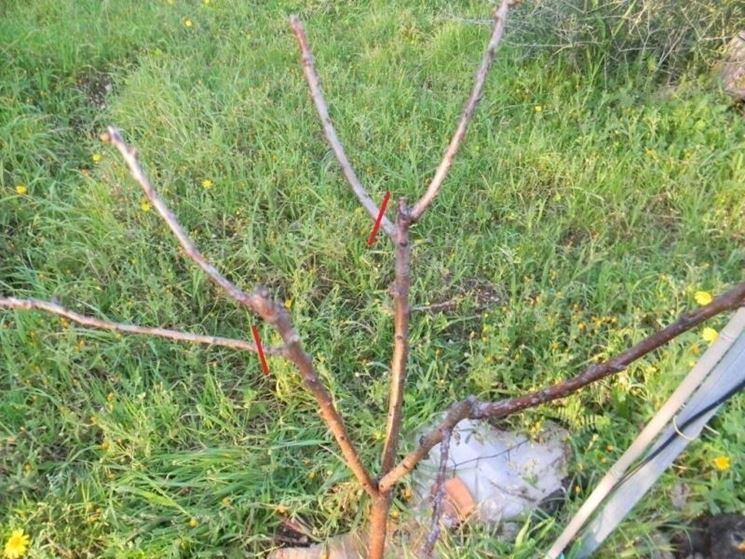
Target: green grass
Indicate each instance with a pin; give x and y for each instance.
(594, 218)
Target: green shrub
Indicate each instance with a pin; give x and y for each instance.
(671, 36)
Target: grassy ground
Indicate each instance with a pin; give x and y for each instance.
(592, 207)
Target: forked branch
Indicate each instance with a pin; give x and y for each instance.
(177, 335)
(260, 302)
(314, 84)
(471, 408)
(500, 20)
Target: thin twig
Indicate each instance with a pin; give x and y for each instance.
(178, 335)
(401, 337)
(470, 408)
(500, 18)
(260, 302)
(316, 93)
(439, 496)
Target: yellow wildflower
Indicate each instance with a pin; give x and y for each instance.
(21, 189)
(188, 23)
(288, 303)
(722, 463)
(207, 183)
(709, 334)
(96, 157)
(703, 297)
(193, 523)
(17, 544)
(146, 206)
(538, 109)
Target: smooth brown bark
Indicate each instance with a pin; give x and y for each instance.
(381, 506)
(401, 286)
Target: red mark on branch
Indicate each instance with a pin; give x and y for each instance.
(260, 350)
(381, 213)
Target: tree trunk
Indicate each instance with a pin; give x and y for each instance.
(378, 526)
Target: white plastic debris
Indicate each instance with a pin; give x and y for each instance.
(507, 474)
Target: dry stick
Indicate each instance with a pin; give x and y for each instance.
(328, 127)
(259, 302)
(178, 335)
(471, 408)
(439, 489)
(381, 505)
(500, 18)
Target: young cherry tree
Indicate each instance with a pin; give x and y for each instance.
(378, 485)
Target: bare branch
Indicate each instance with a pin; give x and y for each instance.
(439, 496)
(260, 302)
(253, 301)
(401, 337)
(316, 93)
(456, 413)
(500, 18)
(470, 408)
(178, 335)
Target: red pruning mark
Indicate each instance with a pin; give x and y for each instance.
(379, 219)
(260, 349)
